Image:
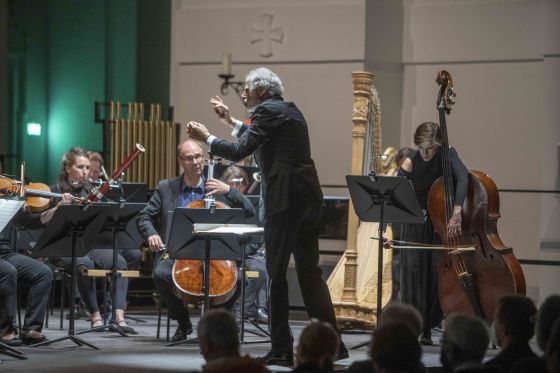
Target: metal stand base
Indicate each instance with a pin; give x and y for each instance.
(12, 352)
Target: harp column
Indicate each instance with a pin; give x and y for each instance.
(362, 86)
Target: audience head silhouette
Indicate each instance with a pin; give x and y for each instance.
(547, 315)
(553, 349)
(514, 319)
(405, 313)
(318, 345)
(465, 340)
(219, 344)
(395, 348)
(217, 334)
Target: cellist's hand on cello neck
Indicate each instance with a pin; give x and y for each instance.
(214, 186)
(454, 224)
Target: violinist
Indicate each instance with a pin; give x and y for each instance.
(419, 283)
(73, 181)
(14, 268)
(152, 221)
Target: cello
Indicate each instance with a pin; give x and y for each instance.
(188, 275)
(470, 281)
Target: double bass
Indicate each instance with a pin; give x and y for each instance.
(188, 275)
(470, 281)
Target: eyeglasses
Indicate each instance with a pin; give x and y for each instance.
(192, 158)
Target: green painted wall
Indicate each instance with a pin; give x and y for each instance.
(76, 73)
(34, 90)
(77, 52)
(121, 51)
(154, 50)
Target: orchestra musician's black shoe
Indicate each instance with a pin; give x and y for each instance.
(284, 359)
(13, 342)
(426, 339)
(262, 315)
(121, 324)
(29, 340)
(98, 323)
(182, 333)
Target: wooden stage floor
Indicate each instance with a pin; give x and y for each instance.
(143, 352)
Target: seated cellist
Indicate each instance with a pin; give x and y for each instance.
(153, 220)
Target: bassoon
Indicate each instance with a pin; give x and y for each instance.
(99, 192)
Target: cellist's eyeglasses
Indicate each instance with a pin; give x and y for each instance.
(191, 158)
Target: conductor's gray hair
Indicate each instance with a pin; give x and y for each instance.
(263, 79)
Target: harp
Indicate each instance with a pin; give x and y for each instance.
(353, 282)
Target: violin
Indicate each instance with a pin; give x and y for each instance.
(470, 281)
(188, 275)
(37, 195)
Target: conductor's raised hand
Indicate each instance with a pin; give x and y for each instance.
(222, 110)
(197, 131)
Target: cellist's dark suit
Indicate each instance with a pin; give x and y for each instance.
(293, 200)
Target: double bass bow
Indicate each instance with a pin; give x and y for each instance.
(470, 281)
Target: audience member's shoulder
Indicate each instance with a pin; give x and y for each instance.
(529, 364)
(235, 365)
(361, 366)
(308, 368)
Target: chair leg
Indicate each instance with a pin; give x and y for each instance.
(168, 325)
(158, 319)
(51, 296)
(18, 308)
(62, 293)
(48, 306)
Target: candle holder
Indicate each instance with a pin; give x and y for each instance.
(228, 82)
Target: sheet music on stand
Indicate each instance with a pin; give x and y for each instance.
(8, 209)
(238, 229)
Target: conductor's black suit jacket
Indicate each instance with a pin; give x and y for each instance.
(279, 138)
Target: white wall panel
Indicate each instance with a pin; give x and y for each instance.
(327, 30)
(498, 111)
(323, 93)
(472, 30)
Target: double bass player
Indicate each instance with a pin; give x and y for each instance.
(419, 274)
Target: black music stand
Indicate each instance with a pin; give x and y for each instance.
(244, 241)
(120, 230)
(383, 199)
(183, 244)
(70, 233)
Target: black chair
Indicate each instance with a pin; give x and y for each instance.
(159, 302)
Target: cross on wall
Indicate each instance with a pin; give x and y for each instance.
(267, 34)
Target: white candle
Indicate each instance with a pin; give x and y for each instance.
(226, 64)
